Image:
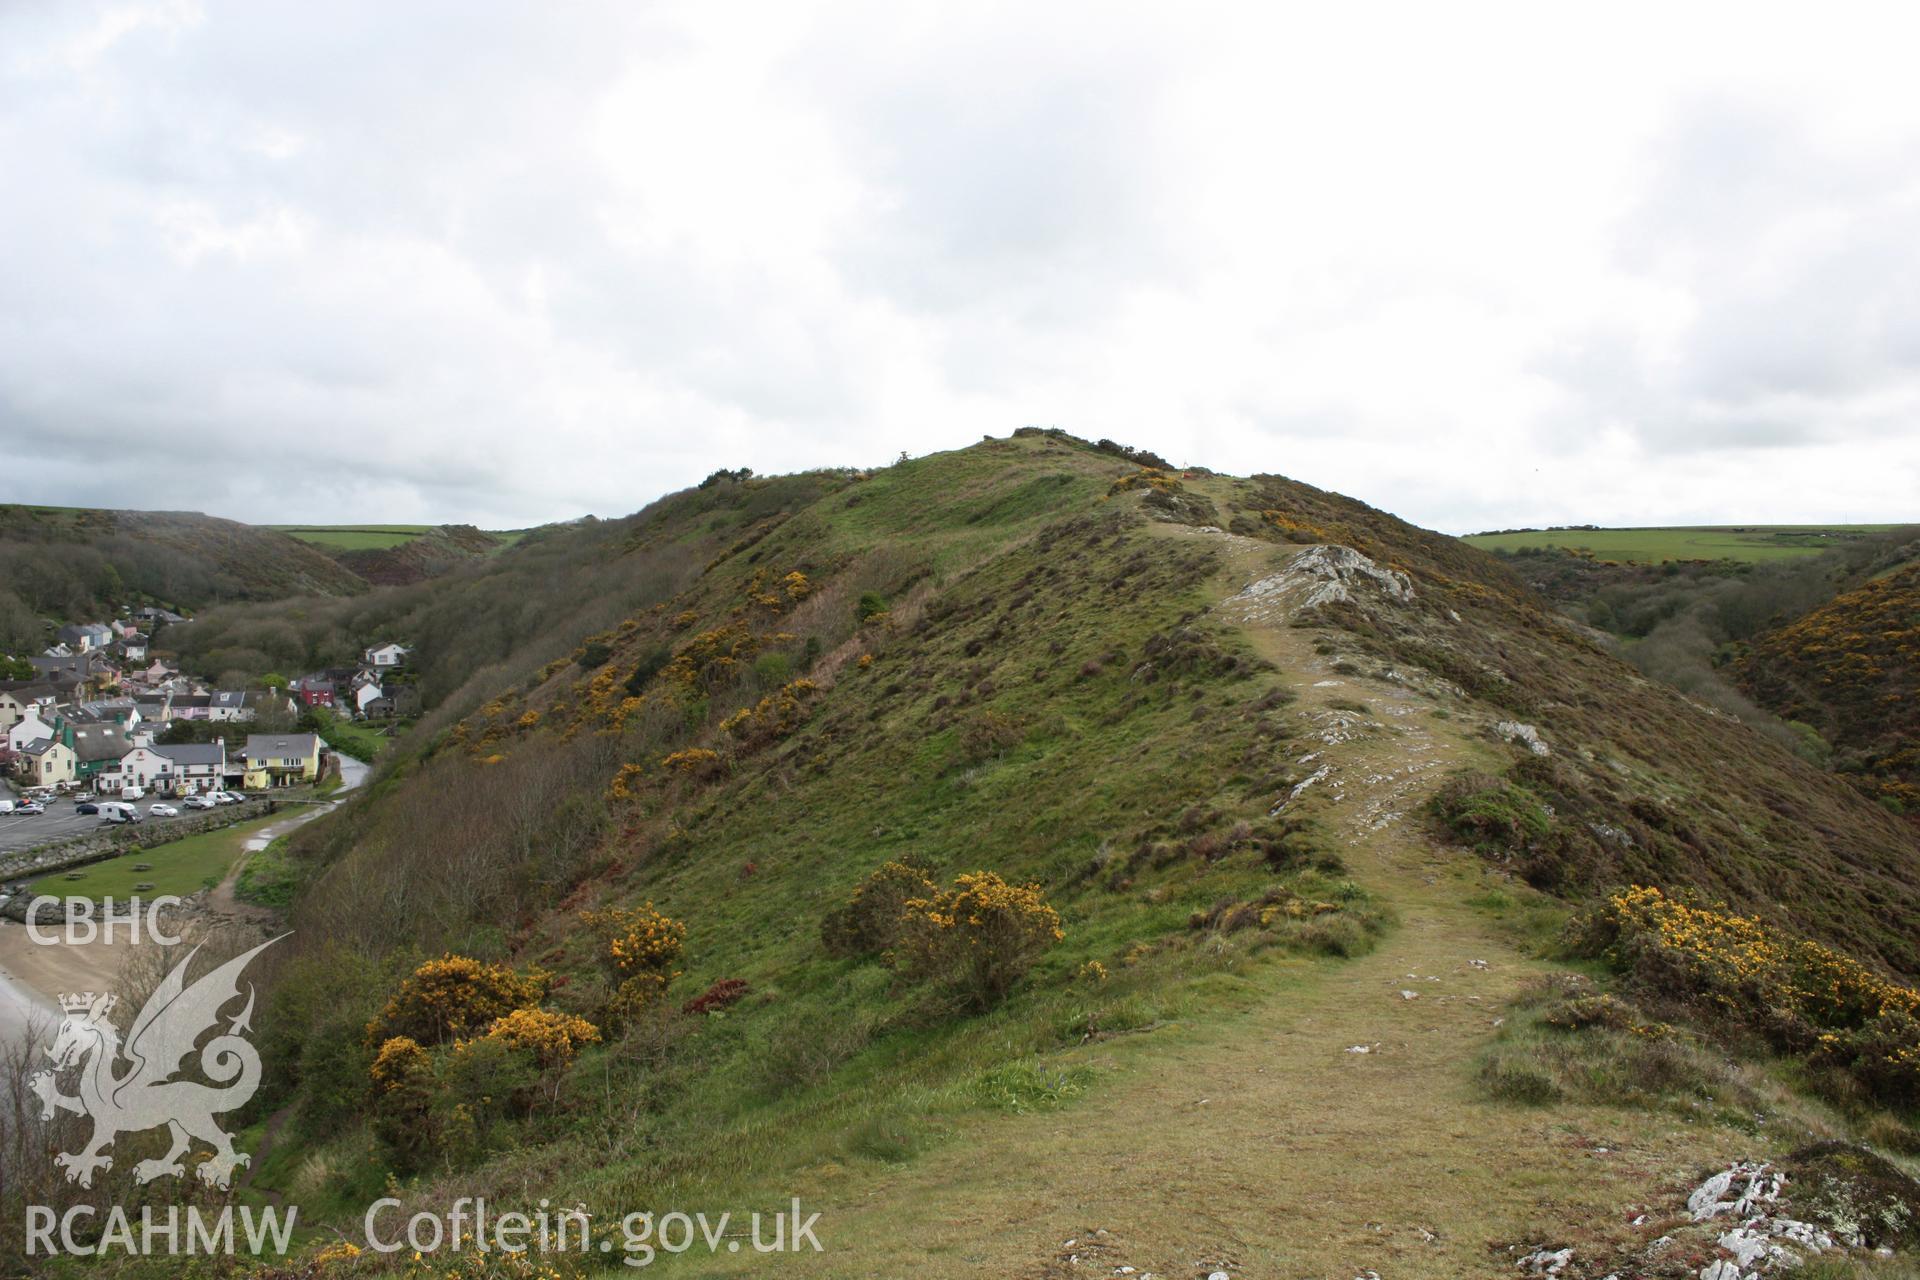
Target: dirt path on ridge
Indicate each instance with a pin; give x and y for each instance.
(1259, 1144)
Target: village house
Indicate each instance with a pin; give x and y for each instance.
(46, 762)
(155, 710)
(387, 655)
(70, 670)
(371, 703)
(30, 727)
(193, 706)
(180, 769)
(97, 752)
(281, 759)
(19, 699)
(313, 691)
(85, 637)
(154, 673)
(227, 704)
(133, 648)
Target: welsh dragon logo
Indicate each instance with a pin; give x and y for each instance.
(146, 1093)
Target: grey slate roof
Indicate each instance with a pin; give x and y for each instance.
(185, 753)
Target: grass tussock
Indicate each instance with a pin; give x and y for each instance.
(1565, 1042)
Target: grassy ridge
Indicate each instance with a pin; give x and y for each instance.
(1011, 664)
(1684, 542)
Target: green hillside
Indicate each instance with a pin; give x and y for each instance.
(1851, 670)
(1695, 542)
(747, 888)
(75, 564)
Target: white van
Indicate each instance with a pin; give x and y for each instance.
(113, 812)
(132, 793)
(6, 806)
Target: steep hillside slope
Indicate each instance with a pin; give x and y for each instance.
(1284, 767)
(1852, 670)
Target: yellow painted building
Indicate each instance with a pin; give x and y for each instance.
(47, 762)
(281, 760)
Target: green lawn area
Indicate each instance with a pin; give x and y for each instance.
(354, 537)
(1685, 542)
(177, 867)
(357, 738)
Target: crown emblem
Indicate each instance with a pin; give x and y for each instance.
(79, 1003)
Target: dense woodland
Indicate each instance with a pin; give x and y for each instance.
(71, 565)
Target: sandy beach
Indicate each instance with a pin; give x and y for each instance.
(33, 975)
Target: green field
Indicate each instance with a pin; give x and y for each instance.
(178, 867)
(1685, 542)
(357, 738)
(354, 537)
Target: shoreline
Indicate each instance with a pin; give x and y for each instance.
(34, 975)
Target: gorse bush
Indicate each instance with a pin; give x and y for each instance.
(551, 1039)
(870, 922)
(977, 938)
(1803, 997)
(447, 1101)
(636, 949)
(773, 717)
(698, 763)
(452, 997)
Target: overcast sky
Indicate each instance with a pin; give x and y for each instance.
(1480, 266)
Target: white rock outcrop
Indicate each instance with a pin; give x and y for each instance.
(1525, 734)
(1318, 576)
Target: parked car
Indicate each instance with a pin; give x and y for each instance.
(6, 806)
(162, 811)
(86, 806)
(132, 793)
(199, 802)
(226, 797)
(29, 809)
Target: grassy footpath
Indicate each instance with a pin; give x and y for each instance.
(1318, 1119)
(1698, 542)
(177, 867)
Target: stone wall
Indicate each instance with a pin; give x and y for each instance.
(110, 842)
